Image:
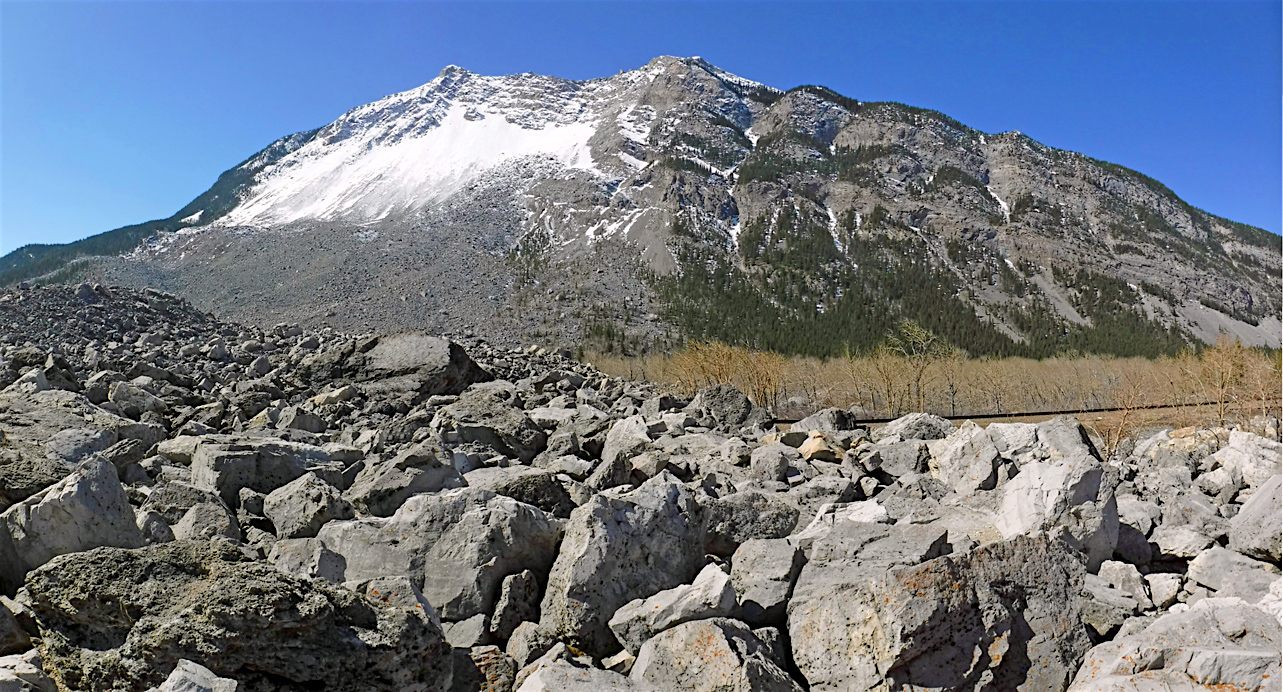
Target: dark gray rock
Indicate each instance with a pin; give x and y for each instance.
(138, 613)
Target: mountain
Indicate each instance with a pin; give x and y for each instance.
(681, 201)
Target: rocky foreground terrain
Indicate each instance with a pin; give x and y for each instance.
(187, 504)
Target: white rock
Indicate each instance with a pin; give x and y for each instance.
(1256, 531)
(620, 547)
(30, 382)
(966, 460)
(1231, 574)
(193, 677)
(710, 656)
(1254, 458)
(1126, 578)
(1218, 643)
(1180, 541)
(710, 595)
(626, 438)
(301, 507)
(334, 396)
(1164, 587)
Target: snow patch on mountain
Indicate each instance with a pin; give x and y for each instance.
(365, 179)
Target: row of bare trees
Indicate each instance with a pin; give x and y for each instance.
(916, 371)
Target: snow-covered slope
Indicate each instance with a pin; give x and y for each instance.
(417, 148)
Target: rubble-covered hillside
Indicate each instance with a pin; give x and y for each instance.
(187, 504)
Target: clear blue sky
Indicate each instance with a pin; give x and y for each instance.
(114, 113)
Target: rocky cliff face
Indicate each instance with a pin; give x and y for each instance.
(625, 208)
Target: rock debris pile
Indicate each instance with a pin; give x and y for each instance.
(192, 505)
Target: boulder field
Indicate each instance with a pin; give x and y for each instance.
(187, 504)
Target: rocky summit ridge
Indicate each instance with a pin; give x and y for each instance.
(192, 504)
(679, 200)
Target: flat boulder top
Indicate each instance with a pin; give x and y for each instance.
(399, 352)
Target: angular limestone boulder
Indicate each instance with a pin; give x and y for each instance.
(1072, 491)
(739, 517)
(710, 656)
(382, 487)
(456, 546)
(1255, 531)
(205, 521)
(532, 486)
(827, 420)
(1230, 574)
(626, 439)
(1253, 458)
(1217, 644)
(966, 460)
(518, 602)
(710, 595)
(491, 413)
(763, 573)
(914, 426)
(225, 464)
(301, 507)
(85, 510)
(418, 363)
(723, 404)
(463, 570)
(1007, 614)
(619, 547)
(193, 677)
(115, 619)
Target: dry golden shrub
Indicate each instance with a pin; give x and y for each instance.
(1223, 383)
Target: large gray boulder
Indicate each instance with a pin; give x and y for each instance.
(914, 426)
(740, 517)
(1002, 616)
(224, 464)
(710, 595)
(1231, 574)
(711, 656)
(763, 573)
(85, 510)
(301, 507)
(491, 414)
(172, 500)
(1255, 530)
(966, 460)
(518, 602)
(383, 486)
(464, 569)
(627, 438)
(114, 619)
(1217, 644)
(532, 486)
(457, 546)
(24, 475)
(723, 404)
(1251, 457)
(619, 547)
(205, 521)
(826, 420)
(1071, 493)
(418, 363)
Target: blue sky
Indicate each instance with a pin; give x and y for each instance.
(114, 113)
